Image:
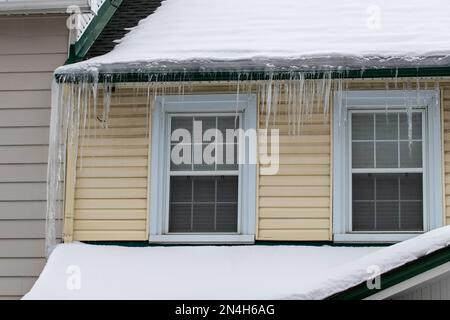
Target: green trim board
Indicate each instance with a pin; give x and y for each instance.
(397, 275)
(126, 17)
(79, 49)
(199, 76)
(257, 242)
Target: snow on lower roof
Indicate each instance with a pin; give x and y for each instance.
(80, 271)
(326, 32)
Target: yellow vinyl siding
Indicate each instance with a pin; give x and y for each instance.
(294, 204)
(111, 188)
(445, 100)
(110, 196)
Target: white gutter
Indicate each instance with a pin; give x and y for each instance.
(10, 7)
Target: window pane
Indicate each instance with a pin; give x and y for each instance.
(363, 187)
(180, 217)
(411, 186)
(204, 189)
(181, 189)
(363, 216)
(362, 126)
(387, 154)
(203, 204)
(416, 126)
(227, 217)
(199, 155)
(231, 151)
(387, 216)
(205, 123)
(386, 126)
(203, 218)
(230, 123)
(387, 202)
(182, 123)
(202, 153)
(410, 154)
(387, 187)
(412, 216)
(227, 189)
(180, 157)
(362, 155)
(180, 149)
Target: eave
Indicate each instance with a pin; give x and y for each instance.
(396, 276)
(223, 75)
(41, 7)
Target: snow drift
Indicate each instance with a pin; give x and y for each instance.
(80, 271)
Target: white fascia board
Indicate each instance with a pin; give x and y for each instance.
(41, 7)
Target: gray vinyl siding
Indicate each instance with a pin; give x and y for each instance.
(434, 289)
(31, 47)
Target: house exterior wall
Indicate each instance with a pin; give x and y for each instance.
(111, 185)
(293, 205)
(445, 102)
(437, 288)
(31, 48)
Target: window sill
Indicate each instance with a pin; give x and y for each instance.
(203, 239)
(374, 237)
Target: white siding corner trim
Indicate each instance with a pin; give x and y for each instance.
(208, 103)
(427, 100)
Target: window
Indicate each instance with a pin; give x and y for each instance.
(204, 196)
(195, 198)
(387, 165)
(387, 171)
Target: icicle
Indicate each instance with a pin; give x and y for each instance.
(298, 102)
(396, 79)
(418, 92)
(327, 95)
(236, 113)
(95, 95)
(275, 100)
(53, 168)
(84, 116)
(342, 113)
(269, 99)
(386, 105)
(106, 102)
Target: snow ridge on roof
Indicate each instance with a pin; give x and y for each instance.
(221, 272)
(220, 30)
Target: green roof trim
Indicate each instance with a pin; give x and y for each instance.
(79, 49)
(146, 243)
(397, 275)
(188, 76)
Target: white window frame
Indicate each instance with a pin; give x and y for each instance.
(207, 173)
(165, 107)
(377, 100)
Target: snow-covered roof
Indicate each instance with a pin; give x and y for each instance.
(307, 34)
(80, 271)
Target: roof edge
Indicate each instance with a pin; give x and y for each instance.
(199, 76)
(79, 49)
(396, 276)
(45, 6)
